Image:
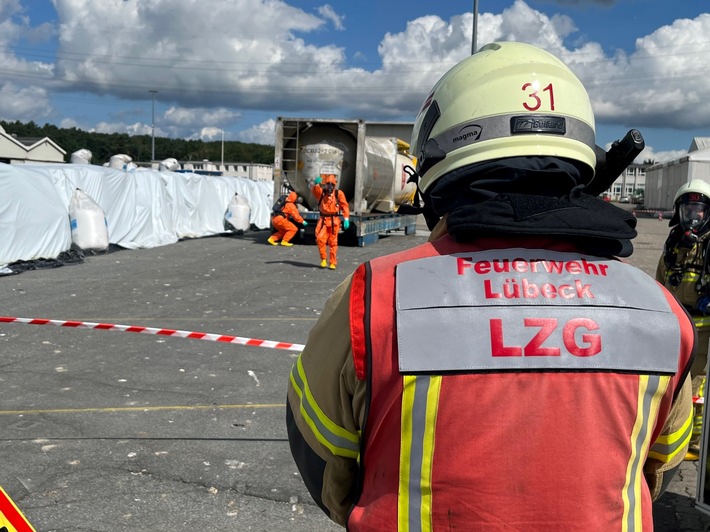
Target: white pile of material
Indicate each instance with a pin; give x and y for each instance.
(143, 208)
(238, 213)
(89, 228)
(82, 156)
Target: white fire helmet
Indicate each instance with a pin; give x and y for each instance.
(692, 206)
(508, 99)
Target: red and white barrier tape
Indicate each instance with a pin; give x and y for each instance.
(152, 330)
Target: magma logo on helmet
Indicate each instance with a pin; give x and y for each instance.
(496, 127)
(554, 125)
(470, 132)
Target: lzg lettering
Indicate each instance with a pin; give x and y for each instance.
(590, 344)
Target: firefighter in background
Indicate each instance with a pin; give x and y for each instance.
(684, 269)
(440, 382)
(283, 219)
(331, 204)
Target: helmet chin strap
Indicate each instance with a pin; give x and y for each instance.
(419, 205)
(494, 178)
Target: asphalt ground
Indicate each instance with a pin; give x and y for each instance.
(117, 431)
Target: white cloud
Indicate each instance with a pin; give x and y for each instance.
(68, 123)
(211, 65)
(137, 128)
(263, 133)
(199, 116)
(189, 53)
(666, 81)
(327, 12)
(648, 154)
(197, 123)
(211, 133)
(14, 25)
(23, 103)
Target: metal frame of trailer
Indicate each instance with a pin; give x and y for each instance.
(365, 228)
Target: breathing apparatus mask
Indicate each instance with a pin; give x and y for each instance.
(692, 211)
(693, 217)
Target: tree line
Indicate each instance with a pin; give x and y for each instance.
(139, 147)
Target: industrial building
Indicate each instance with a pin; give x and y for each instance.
(32, 150)
(664, 179)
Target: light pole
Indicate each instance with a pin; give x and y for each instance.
(475, 27)
(153, 92)
(223, 149)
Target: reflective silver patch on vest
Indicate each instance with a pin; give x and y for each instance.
(523, 309)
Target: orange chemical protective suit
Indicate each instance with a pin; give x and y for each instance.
(331, 205)
(283, 221)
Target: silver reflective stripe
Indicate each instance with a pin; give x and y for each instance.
(338, 445)
(521, 309)
(494, 127)
(633, 480)
(669, 449)
(417, 453)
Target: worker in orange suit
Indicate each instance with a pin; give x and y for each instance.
(331, 204)
(282, 220)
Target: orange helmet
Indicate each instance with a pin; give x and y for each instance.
(292, 197)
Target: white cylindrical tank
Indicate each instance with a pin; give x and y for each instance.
(82, 156)
(328, 149)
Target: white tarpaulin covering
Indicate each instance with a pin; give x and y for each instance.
(143, 208)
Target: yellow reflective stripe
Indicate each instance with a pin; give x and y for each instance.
(688, 276)
(338, 440)
(701, 321)
(669, 445)
(405, 451)
(651, 390)
(420, 403)
(432, 408)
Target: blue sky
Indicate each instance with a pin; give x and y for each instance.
(236, 65)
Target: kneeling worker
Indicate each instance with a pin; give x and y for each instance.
(282, 220)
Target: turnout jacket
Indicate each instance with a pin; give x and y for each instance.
(504, 384)
(684, 271)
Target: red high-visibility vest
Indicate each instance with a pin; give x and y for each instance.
(502, 394)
